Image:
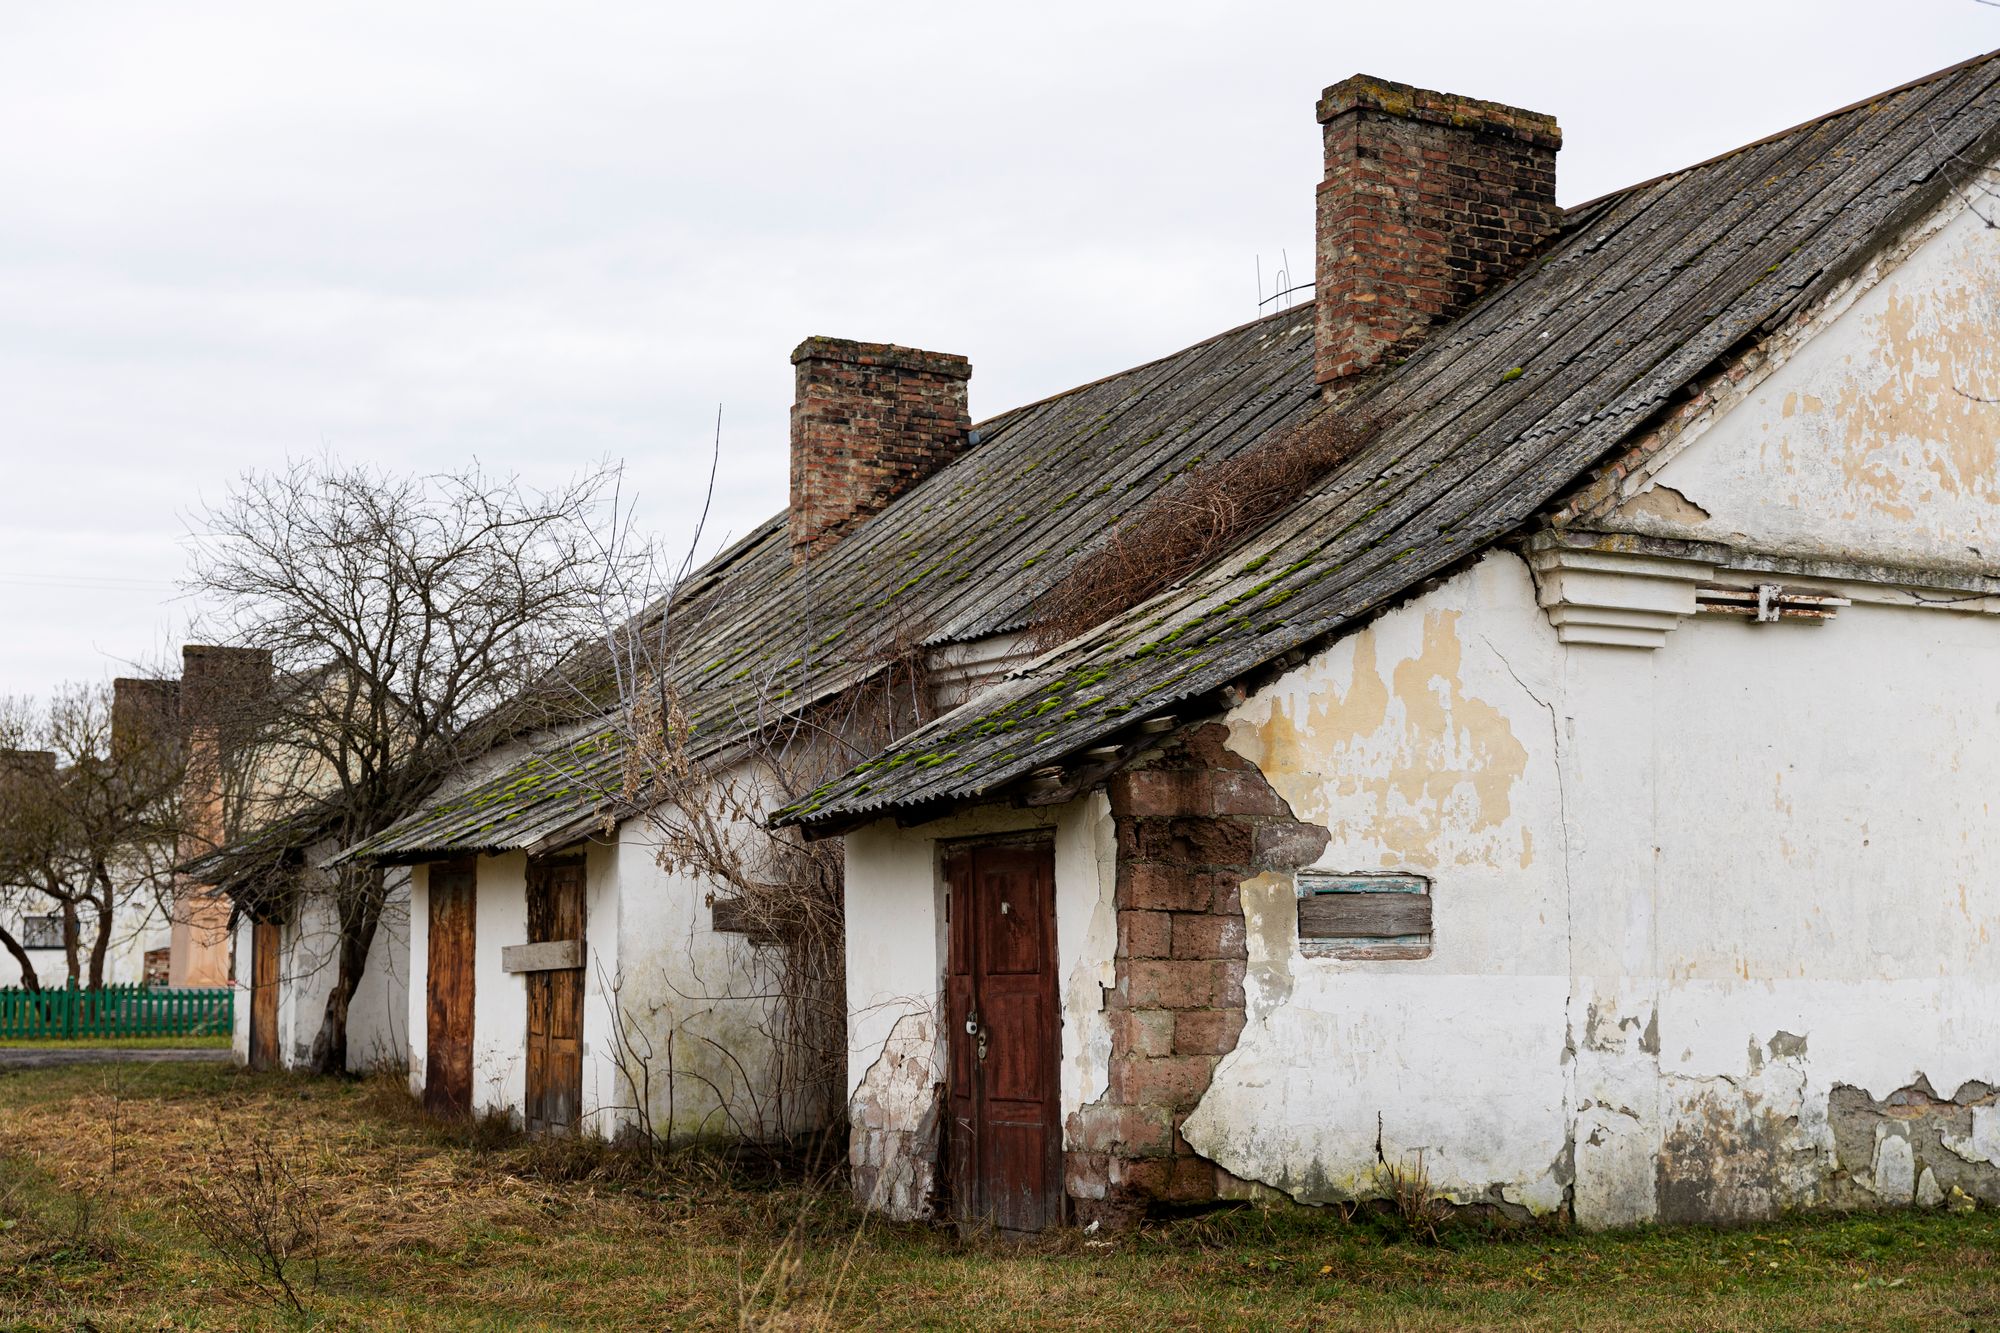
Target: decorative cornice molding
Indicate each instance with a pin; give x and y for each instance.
(1618, 599)
(1623, 590)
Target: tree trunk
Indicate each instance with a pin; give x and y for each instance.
(71, 955)
(360, 912)
(101, 876)
(29, 981)
(100, 946)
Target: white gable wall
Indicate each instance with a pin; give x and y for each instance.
(1700, 908)
(1868, 439)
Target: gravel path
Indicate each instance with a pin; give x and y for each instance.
(47, 1057)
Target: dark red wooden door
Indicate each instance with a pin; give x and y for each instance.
(263, 995)
(1005, 1135)
(555, 1001)
(448, 1014)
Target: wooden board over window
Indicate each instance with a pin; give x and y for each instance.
(1368, 915)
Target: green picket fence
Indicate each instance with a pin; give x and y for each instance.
(66, 1012)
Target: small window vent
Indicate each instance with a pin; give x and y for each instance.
(1370, 915)
(41, 932)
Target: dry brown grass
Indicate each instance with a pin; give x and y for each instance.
(429, 1227)
(1194, 520)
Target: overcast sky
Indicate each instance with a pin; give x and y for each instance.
(544, 235)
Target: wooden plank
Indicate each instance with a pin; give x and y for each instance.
(554, 1099)
(1364, 915)
(550, 956)
(731, 916)
(450, 990)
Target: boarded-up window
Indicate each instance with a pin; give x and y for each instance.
(1364, 916)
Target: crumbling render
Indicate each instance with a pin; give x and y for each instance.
(896, 1112)
(1194, 822)
(1914, 1146)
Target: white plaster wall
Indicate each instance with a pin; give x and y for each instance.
(138, 926)
(1813, 905)
(695, 1005)
(702, 1008)
(377, 1017)
(417, 997)
(1421, 744)
(896, 955)
(500, 999)
(239, 1029)
(1869, 437)
(308, 965)
(1681, 896)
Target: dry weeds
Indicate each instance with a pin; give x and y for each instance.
(1194, 520)
(446, 1227)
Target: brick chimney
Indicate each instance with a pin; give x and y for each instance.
(145, 718)
(1428, 200)
(869, 421)
(220, 689)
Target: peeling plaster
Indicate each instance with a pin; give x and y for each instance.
(1421, 750)
(1872, 436)
(895, 1114)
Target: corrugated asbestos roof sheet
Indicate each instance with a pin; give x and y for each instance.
(960, 556)
(1495, 416)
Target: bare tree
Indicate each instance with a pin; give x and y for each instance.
(703, 786)
(410, 622)
(89, 819)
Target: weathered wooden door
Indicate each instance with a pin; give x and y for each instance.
(453, 922)
(264, 995)
(1005, 1136)
(555, 1000)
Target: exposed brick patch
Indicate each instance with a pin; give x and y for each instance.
(869, 421)
(1428, 200)
(1193, 823)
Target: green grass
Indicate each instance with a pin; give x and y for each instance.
(433, 1227)
(165, 1042)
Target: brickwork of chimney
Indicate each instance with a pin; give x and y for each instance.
(1428, 200)
(145, 718)
(219, 689)
(1193, 822)
(869, 421)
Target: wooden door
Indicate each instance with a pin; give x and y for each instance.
(1005, 1135)
(263, 995)
(448, 1056)
(555, 1000)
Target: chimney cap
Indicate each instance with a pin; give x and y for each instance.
(890, 356)
(1365, 92)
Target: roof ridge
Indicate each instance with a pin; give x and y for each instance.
(1046, 399)
(1775, 135)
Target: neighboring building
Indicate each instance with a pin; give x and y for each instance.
(142, 929)
(142, 715)
(1583, 793)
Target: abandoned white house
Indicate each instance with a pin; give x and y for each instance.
(1583, 784)
(1587, 786)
